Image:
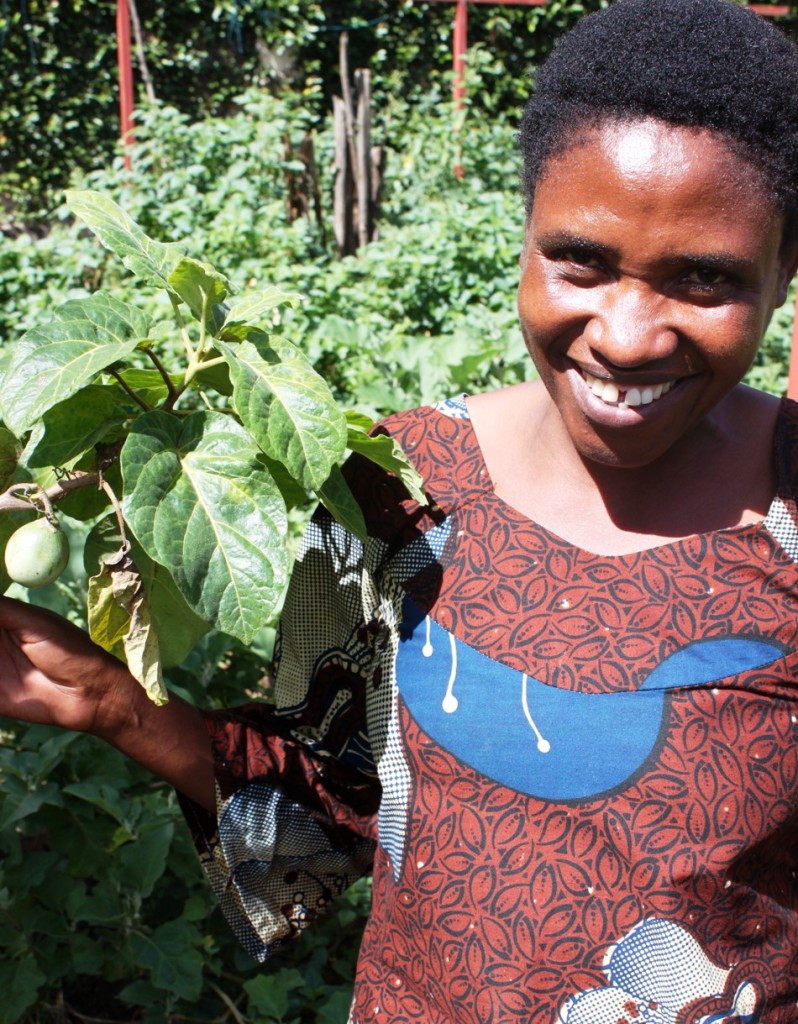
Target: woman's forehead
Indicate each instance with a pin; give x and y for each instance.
(658, 187)
(649, 152)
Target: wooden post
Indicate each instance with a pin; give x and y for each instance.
(342, 183)
(125, 77)
(377, 173)
(142, 59)
(363, 176)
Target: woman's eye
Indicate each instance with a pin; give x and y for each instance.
(578, 259)
(706, 277)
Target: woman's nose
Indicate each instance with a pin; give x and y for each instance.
(630, 325)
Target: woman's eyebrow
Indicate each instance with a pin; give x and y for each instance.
(720, 260)
(726, 262)
(552, 240)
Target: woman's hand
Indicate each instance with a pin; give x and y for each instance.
(51, 673)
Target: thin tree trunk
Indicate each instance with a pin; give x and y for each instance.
(363, 177)
(346, 93)
(143, 68)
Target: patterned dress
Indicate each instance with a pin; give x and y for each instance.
(574, 776)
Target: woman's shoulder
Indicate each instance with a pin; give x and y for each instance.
(440, 442)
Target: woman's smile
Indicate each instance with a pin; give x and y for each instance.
(630, 395)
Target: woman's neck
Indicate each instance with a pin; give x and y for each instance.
(721, 476)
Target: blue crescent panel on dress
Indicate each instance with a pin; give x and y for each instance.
(538, 739)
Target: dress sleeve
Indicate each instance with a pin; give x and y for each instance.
(297, 787)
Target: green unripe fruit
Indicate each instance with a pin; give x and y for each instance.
(37, 553)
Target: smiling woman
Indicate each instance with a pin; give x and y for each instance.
(553, 707)
(653, 261)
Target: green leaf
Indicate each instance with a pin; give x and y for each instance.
(202, 505)
(287, 407)
(170, 956)
(272, 995)
(51, 363)
(385, 452)
(179, 629)
(143, 861)
(9, 457)
(150, 260)
(99, 794)
(292, 491)
(336, 1005)
(75, 425)
(252, 309)
(199, 286)
(340, 503)
(20, 981)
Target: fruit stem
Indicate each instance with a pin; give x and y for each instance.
(36, 495)
(118, 510)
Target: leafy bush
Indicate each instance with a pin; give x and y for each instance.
(58, 67)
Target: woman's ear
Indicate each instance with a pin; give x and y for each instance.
(789, 266)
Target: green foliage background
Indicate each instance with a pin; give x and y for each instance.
(103, 910)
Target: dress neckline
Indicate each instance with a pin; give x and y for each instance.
(782, 451)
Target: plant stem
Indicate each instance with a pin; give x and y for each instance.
(129, 391)
(204, 364)
(183, 329)
(10, 503)
(228, 1002)
(174, 394)
(117, 509)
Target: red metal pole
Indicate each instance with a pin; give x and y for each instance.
(125, 76)
(459, 51)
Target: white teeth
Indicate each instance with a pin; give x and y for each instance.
(633, 397)
(608, 391)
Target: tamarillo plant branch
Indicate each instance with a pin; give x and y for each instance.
(9, 502)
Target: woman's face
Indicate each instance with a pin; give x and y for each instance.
(652, 264)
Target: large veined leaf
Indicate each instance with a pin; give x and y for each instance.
(118, 587)
(287, 407)
(201, 504)
(77, 424)
(51, 363)
(150, 260)
(170, 957)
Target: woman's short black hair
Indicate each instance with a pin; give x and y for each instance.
(702, 63)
